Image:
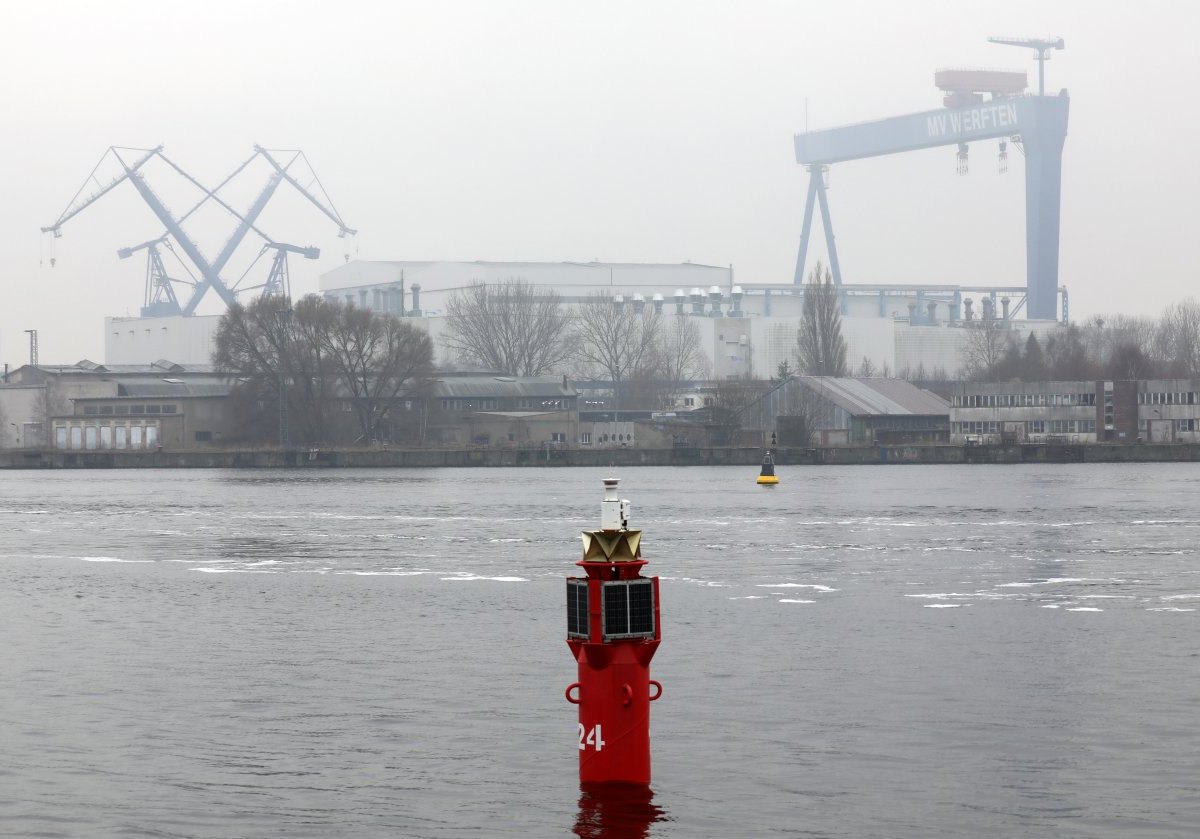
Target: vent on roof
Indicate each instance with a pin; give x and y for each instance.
(173, 381)
(93, 366)
(169, 366)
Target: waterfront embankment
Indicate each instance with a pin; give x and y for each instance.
(558, 457)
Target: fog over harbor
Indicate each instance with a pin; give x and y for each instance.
(657, 132)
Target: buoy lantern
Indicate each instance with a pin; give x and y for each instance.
(766, 477)
(613, 631)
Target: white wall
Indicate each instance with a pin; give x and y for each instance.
(183, 340)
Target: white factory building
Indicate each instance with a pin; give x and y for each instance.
(747, 329)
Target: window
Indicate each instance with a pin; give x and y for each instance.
(122, 410)
(137, 409)
(154, 409)
(106, 410)
(168, 409)
(558, 437)
(204, 436)
(586, 438)
(1185, 425)
(689, 401)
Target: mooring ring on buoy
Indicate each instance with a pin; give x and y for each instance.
(657, 685)
(567, 693)
(626, 694)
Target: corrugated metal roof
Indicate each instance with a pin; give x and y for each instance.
(878, 397)
(160, 389)
(538, 387)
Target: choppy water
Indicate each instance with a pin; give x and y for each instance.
(859, 652)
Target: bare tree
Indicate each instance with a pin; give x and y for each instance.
(510, 328)
(678, 356)
(248, 347)
(820, 348)
(317, 353)
(1067, 355)
(1178, 343)
(984, 347)
(380, 360)
(615, 340)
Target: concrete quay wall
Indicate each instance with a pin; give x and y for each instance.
(558, 457)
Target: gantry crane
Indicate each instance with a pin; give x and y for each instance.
(1038, 123)
(160, 297)
(278, 282)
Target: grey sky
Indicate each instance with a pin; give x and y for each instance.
(545, 131)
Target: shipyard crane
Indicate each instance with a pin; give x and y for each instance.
(161, 300)
(1038, 123)
(278, 283)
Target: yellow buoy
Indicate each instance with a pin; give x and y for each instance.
(767, 476)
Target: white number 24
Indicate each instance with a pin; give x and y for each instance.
(593, 738)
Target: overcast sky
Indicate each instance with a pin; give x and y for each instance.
(621, 131)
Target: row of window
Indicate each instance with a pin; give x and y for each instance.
(490, 404)
(105, 437)
(126, 410)
(1064, 426)
(1022, 400)
(586, 438)
(1180, 424)
(1167, 398)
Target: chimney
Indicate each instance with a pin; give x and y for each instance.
(714, 299)
(932, 307)
(1004, 306)
(416, 298)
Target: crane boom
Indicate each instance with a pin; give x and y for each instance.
(343, 230)
(161, 299)
(74, 209)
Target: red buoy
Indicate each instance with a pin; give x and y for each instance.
(613, 630)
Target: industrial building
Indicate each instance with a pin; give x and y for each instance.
(90, 405)
(1129, 411)
(746, 330)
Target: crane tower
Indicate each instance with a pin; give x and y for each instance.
(204, 274)
(1036, 123)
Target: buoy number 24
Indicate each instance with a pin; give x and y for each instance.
(590, 738)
